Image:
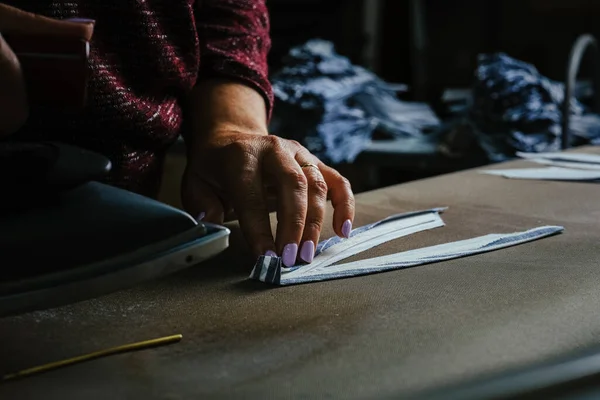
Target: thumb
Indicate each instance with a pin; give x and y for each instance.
(200, 200)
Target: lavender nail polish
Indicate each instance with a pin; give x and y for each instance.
(81, 20)
(270, 253)
(307, 253)
(290, 252)
(201, 216)
(347, 228)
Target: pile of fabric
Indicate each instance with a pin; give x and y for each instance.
(334, 107)
(516, 109)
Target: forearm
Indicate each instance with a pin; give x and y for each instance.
(219, 107)
(234, 95)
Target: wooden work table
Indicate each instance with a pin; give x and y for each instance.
(372, 336)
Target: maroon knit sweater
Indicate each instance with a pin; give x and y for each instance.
(146, 55)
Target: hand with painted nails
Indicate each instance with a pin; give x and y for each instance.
(14, 108)
(238, 169)
(239, 164)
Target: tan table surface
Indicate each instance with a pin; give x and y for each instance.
(369, 336)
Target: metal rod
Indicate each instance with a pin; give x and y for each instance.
(92, 356)
(582, 43)
(419, 49)
(372, 25)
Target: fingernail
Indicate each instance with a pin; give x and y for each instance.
(201, 216)
(270, 253)
(347, 228)
(307, 253)
(290, 252)
(82, 20)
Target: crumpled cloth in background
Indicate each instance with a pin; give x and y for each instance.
(333, 107)
(515, 108)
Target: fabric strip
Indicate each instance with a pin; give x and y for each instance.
(330, 251)
(271, 268)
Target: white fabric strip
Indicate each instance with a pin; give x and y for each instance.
(416, 257)
(572, 157)
(550, 173)
(373, 237)
(567, 164)
(263, 272)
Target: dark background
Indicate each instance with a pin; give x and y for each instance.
(538, 31)
(541, 32)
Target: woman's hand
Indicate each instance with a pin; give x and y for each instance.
(238, 169)
(13, 100)
(235, 163)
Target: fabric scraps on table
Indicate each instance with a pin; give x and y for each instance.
(272, 271)
(513, 107)
(567, 164)
(561, 167)
(559, 156)
(333, 107)
(547, 174)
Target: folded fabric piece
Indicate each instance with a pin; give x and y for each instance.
(271, 269)
(561, 167)
(566, 164)
(548, 174)
(335, 249)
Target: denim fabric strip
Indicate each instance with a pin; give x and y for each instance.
(405, 259)
(270, 269)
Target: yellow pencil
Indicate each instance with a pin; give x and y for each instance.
(92, 356)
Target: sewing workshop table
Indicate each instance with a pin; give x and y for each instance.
(385, 334)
